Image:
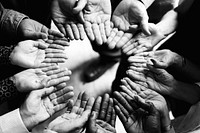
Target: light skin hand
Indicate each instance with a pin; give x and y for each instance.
(97, 14)
(141, 42)
(41, 104)
(131, 15)
(103, 116)
(33, 79)
(74, 119)
(69, 23)
(31, 29)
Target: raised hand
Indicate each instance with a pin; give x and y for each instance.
(43, 103)
(131, 15)
(70, 23)
(31, 29)
(33, 79)
(103, 116)
(74, 119)
(34, 54)
(137, 115)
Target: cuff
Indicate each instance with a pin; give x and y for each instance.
(11, 21)
(12, 122)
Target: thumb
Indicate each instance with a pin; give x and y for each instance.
(80, 5)
(46, 91)
(144, 26)
(92, 122)
(36, 35)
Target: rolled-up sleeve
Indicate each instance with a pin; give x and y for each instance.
(12, 123)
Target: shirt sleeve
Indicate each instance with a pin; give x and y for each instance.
(5, 52)
(12, 122)
(10, 20)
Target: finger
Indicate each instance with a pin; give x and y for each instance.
(69, 31)
(122, 101)
(58, 107)
(103, 34)
(109, 111)
(89, 32)
(113, 118)
(92, 122)
(97, 34)
(124, 111)
(56, 46)
(56, 55)
(81, 31)
(124, 39)
(41, 45)
(97, 105)
(77, 103)
(52, 50)
(130, 100)
(62, 42)
(104, 106)
(133, 85)
(54, 60)
(119, 112)
(55, 33)
(75, 31)
(36, 35)
(117, 38)
(112, 35)
(60, 27)
(145, 27)
(84, 101)
(135, 75)
(79, 6)
(56, 81)
(61, 92)
(131, 93)
(63, 98)
(107, 28)
(49, 68)
(54, 73)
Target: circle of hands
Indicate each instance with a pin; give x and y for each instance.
(139, 103)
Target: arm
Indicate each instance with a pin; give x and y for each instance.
(14, 123)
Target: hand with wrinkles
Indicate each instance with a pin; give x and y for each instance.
(135, 114)
(75, 118)
(33, 79)
(67, 19)
(43, 103)
(34, 54)
(103, 117)
(149, 95)
(31, 29)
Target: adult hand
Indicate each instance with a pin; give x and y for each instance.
(31, 29)
(97, 15)
(148, 95)
(34, 54)
(70, 23)
(137, 115)
(163, 58)
(131, 15)
(103, 116)
(74, 119)
(141, 42)
(33, 79)
(43, 103)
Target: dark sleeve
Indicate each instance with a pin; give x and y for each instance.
(5, 52)
(7, 90)
(10, 20)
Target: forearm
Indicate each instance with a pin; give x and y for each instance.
(168, 23)
(187, 92)
(5, 52)
(7, 90)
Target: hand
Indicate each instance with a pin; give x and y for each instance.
(74, 119)
(163, 58)
(33, 79)
(141, 42)
(31, 29)
(131, 15)
(67, 21)
(41, 104)
(32, 54)
(137, 115)
(103, 116)
(155, 78)
(97, 15)
(131, 88)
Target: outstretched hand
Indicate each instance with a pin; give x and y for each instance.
(103, 116)
(43, 103)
